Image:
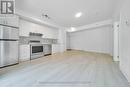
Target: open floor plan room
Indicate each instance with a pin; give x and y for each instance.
(64, 43)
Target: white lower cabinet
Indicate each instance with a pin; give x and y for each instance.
(55, 48)
(24, 54)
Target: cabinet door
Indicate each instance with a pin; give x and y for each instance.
(24, 53)
(13, 21)
(47, 49)
(2, 21)
(10, 21)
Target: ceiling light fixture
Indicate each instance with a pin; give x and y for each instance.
(73, 29)
(45, 16)
(79, 14)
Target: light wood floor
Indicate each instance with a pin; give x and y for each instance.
(69, 69)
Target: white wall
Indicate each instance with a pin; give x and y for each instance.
(116, 15)
(124, 41)
(26, 27)
(97, 40)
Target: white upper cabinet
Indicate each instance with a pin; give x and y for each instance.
(10, 21)
(26, 27)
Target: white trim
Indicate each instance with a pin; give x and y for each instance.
(116, 41)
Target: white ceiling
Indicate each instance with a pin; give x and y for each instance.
(62, 12)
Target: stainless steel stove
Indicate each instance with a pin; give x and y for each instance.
(37, 49)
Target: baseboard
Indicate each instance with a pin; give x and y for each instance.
(90, 51)
(69, 49)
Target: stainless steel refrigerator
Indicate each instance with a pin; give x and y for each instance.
(9, 37)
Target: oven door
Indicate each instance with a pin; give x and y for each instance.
(36, 51)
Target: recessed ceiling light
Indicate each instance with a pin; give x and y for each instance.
(79, 14)
(73, 28)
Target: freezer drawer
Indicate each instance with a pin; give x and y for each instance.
(8, 53)
(9, 33)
